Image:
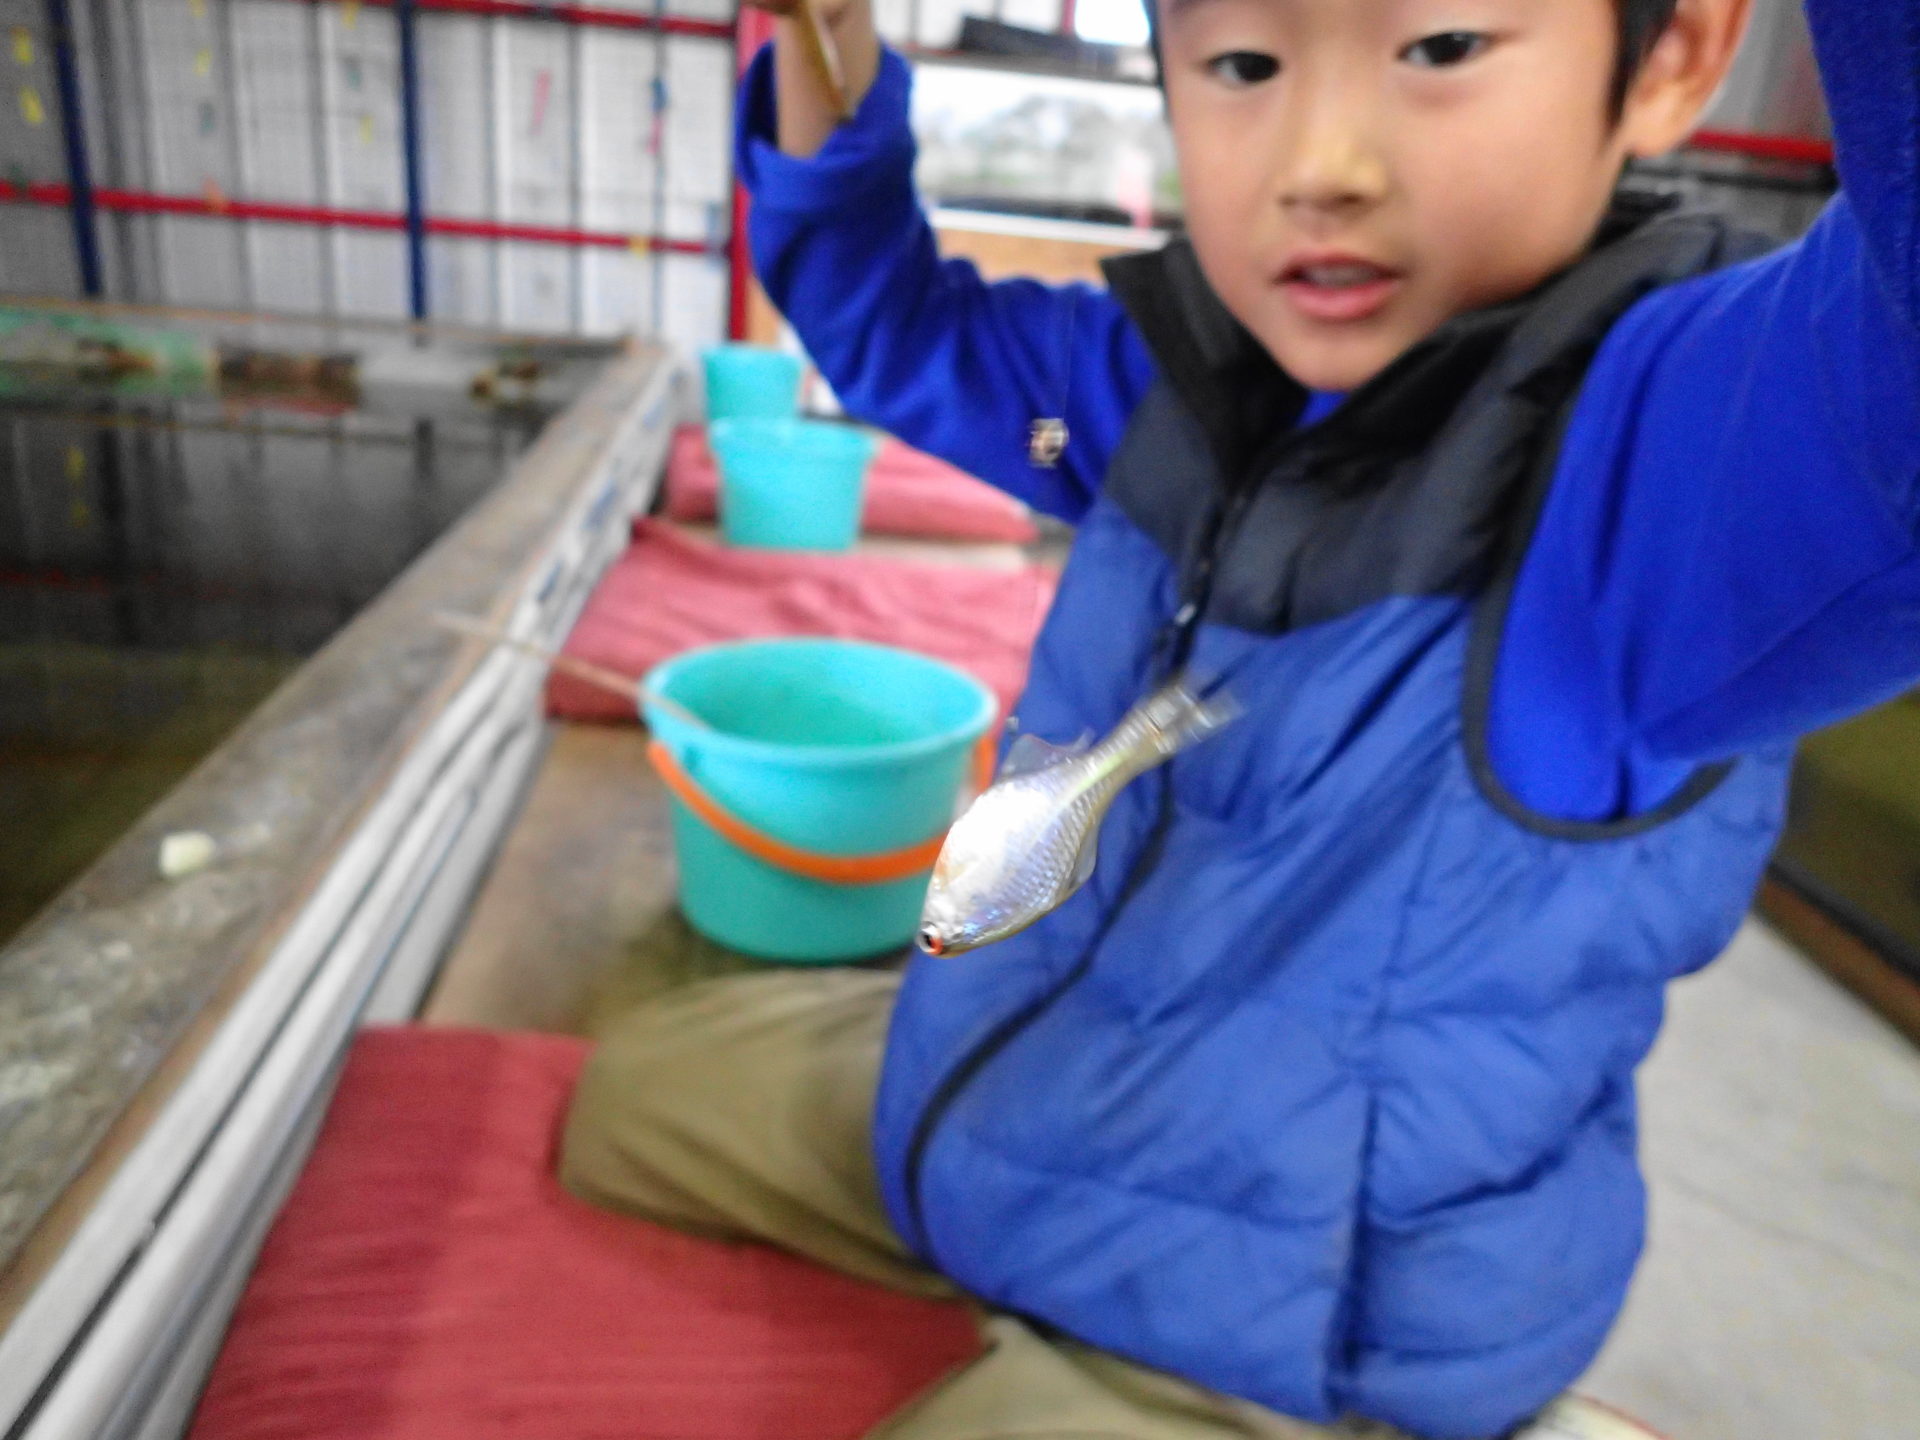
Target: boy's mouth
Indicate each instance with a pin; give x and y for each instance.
(1341, 288)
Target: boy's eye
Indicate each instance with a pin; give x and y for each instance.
(1243, 67)
(1450, 47)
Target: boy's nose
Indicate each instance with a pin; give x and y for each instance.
(1331, 168)
(1338, 179)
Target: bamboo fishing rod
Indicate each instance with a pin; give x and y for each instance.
(627, 687)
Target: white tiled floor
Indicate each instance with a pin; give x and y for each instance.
(1780, 1298)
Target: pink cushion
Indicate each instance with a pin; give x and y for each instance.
(670, 592)
(908, 493)
(429, 1280)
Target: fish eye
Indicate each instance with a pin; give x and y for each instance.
(930, 940)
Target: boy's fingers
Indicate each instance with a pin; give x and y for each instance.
(826, 10)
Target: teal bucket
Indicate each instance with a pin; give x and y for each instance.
(751, 382)
(791, 484)
(826, 747)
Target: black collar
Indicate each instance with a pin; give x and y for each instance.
(1245, 401)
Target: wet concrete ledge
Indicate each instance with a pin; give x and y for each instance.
(103, 988)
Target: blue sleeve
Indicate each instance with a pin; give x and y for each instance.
(923, 347)
(1728, 556)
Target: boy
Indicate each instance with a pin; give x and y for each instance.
(1529, 524)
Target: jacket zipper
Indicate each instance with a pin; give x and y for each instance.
(1003, 1034)
(1174, 647)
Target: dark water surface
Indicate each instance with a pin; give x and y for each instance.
(163, 566)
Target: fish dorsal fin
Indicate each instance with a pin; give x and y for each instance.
(1029, 754)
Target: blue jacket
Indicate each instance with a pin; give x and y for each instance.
(1321, 1091)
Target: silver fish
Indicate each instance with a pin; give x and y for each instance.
(1030, 840)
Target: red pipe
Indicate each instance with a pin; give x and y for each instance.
(572, 15)
(140, 202)
(739, 267)
(39, 192)
(755, 29)
(561, 235)
(1790, 148)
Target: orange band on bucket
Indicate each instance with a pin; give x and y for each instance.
(986, 760)
(877, 869)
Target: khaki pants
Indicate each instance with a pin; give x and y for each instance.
(742, 1108)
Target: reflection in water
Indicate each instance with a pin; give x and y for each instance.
(162, 567)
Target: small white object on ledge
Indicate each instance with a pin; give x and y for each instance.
(185, 852)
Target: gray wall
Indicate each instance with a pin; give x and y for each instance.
(277, 100)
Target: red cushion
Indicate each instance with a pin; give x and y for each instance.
(671, 591)
(429, 1280)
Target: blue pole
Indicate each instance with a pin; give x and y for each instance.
(86, 234)
(404, 16)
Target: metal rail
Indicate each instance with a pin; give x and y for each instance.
(412, 169)
(73, 135)
(591, 16)
(144, 202)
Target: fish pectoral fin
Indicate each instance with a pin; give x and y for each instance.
(1030, 754)
(1084, 859)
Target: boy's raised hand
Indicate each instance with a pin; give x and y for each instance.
(826, 53)
(828, 10)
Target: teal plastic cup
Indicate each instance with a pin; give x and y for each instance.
(751, 382)
(791, 484)
(829, 748)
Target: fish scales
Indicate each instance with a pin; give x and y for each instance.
(1028, 842)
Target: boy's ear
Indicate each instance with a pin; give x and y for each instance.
(1681, 74)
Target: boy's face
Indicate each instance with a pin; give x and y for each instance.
(1358, 172)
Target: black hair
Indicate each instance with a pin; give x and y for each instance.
(1642, 23)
